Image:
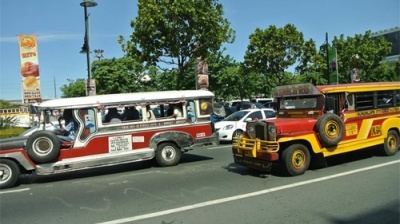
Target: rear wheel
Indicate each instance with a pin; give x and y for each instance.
(168, 154)
(9, 173)
(391, 143)
(296, 159)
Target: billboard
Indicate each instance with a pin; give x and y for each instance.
(29, 69)
(333, 66)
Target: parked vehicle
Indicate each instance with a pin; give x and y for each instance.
(101, 141)
(235, 124)
(315, 122)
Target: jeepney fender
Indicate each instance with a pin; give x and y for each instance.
(181, 139)
(20, 156)
(390, 123)
(311, 138)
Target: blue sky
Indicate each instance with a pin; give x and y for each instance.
(60, 29)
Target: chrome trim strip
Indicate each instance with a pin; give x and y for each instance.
(88, 162)
(20, 158)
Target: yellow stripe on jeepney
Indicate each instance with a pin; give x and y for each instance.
(311, 138)
(364, 129)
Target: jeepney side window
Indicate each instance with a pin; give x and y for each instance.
(385, 99)
(87, 116)
(206, 107)
(397, 98)
(364, 101)
(191, 111)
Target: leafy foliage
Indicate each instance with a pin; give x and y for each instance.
(365, 53)
(175, 32)
(74, 88)
(123, 75)
(7, 122)
(7, 105)
(273, 50)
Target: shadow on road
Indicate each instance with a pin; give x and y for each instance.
(107, 170)
(332, 161)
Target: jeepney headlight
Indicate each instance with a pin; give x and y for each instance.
(227, 127)
(251, 129)
(272, 132)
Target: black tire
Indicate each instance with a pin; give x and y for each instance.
(43, 146)
(330, 129)
(9, 173)
(168, 154)
(237, 133)
(296, 159)
(391, 143)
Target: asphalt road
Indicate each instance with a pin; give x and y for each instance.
(206, 187)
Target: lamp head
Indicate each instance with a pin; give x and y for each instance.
(83, 49)
(88, 3)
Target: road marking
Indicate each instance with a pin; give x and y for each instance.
(242, 196)
(219, 146)
(13, 191)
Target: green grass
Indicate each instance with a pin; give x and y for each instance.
(11, 132)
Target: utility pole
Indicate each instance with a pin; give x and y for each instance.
(55, 92)
(327, 59)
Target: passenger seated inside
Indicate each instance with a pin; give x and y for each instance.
(150, 114)
(113, 116)
(69, 131)
(131, 113)
(177, 110)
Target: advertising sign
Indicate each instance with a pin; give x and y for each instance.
(202, 74)
(90, 87)
(333, 66)
(29, 69)
(355, 75)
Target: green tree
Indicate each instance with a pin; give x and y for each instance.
(74, 88)
(123, 75)
(5, 105)
(223, 75)
(363, 52)
(173, 33)
(273, 50)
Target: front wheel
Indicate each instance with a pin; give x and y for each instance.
(168, 154)
(296, 159)
(9, 173)
(391, 143)
(237, 133)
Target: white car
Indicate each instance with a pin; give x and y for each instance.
(235, 124)
(50, 126)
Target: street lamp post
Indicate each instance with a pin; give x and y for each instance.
(99, 53)
(86, 47)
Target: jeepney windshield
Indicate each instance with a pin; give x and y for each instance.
(298, 103)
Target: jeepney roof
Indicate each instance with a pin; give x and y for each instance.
(310, 89)
(125, 98)
(358, 87)
(296, 90)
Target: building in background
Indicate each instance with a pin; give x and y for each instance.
(393, 36)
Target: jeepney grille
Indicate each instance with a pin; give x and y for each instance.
(261, 130)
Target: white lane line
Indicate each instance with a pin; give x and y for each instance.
(237, 197)
(219, 146)
(13, 191)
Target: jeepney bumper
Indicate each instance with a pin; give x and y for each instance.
(211, 140)
(255, 153)
(253, 163)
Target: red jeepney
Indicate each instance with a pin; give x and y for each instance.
(142, 130)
